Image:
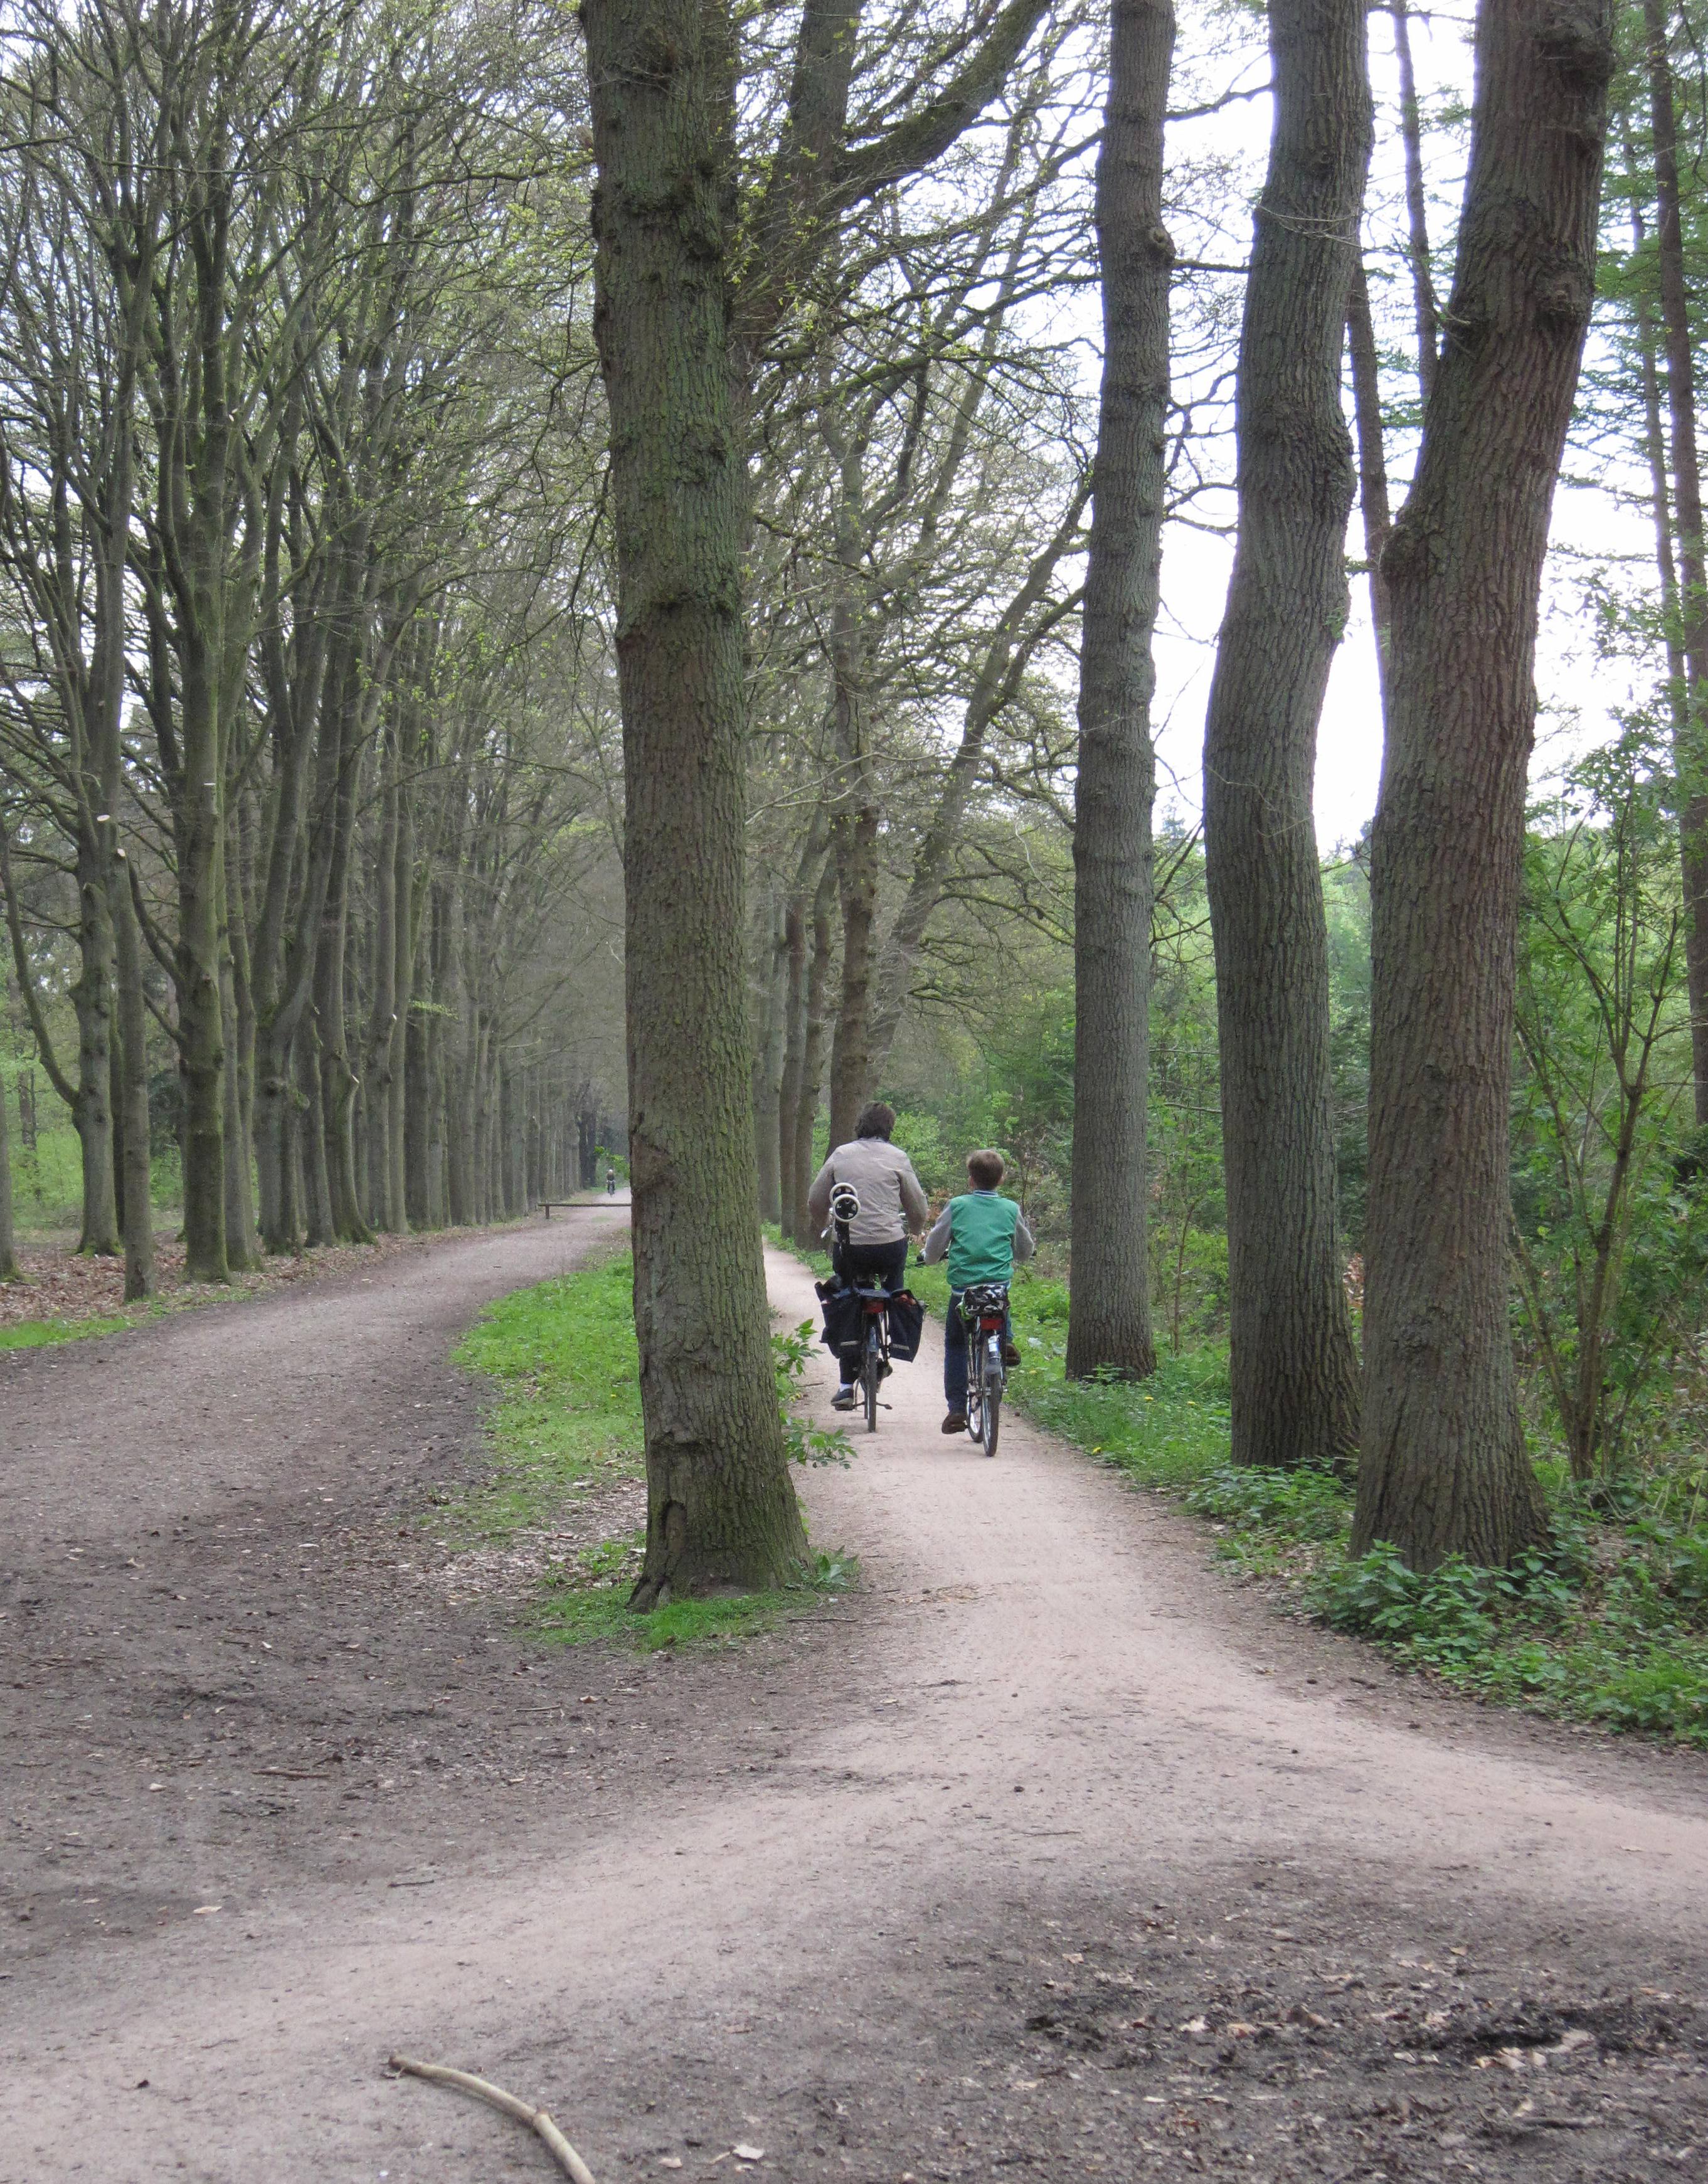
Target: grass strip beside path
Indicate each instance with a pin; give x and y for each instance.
(567, 1417)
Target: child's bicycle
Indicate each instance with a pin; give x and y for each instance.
(984, 1315)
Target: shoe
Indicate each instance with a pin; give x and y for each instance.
(1010, 1355)
(844, 1398)
(885, 1369)
(955, 1423)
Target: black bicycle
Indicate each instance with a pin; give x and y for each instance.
(984, 1315)
(874, 1304)
(875, 1348)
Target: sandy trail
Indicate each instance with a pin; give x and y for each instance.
(1047, 1852)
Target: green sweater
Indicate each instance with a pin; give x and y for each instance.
(982, 1235)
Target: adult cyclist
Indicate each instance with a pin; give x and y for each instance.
(892, 1205)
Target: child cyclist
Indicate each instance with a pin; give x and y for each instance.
(982, 1235)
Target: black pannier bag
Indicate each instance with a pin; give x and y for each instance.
(841, 1315)
(907, 1326)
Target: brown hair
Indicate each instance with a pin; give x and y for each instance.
(984, 1170)
(876, 1121)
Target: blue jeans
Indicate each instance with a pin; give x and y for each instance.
(955, 1354)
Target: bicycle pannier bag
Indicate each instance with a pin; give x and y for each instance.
(841, 1316)
(907, 1326)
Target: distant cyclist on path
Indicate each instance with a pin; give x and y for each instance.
(892, 1205)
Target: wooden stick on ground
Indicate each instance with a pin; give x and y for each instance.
(537, 2120)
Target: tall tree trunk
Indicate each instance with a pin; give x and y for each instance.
(720, 1507)
(9, 1269)
(376, 1087)
(1293, 1368)
(317, 1189)
(338, 1080)
(132, 1046)
(199, 828)
(238, 1010)
(1416, 209)
(1443, 1469)
(771, 1033)
(1690, 752)
(794, 921)
(91, 998)
(404, 921)
(1372, 459)
(815, 1041)
(1109, 1310)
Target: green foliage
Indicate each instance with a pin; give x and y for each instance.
(589, 1604)
(564, 1358)
(1308, 1505)
(38, 1333)
(1609, 1625)
(1611, 1230)
(806, 1443)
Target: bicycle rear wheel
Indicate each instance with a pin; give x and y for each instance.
(871, 1375)
(991, 1408)
(975, 1391)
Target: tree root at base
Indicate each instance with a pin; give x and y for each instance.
(537, 2120)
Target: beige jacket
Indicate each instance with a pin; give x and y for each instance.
(891, 1201)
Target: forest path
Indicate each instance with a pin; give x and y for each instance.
(1049, 1851)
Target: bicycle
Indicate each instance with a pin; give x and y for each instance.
(874, 1306)
(984, 1315)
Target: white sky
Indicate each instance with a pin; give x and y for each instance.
(1576, 690)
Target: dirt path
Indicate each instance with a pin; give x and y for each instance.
(1049, 1853)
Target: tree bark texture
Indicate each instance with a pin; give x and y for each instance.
(815, 1043)
(1109, 1318)
(1294, 1370)
(1372, 458)
(1690, 749)
(1443, 1469)
(132, 1030)
(721, 1508)
(10, 1270)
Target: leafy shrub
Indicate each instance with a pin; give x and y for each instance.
(1665, 1695)
(1308, 1505)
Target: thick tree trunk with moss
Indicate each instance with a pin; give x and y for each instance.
(1443, 1469)
(721, 1509)
(1109, 1320)
(1294, 1370)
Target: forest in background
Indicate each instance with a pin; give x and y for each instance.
(321, 789)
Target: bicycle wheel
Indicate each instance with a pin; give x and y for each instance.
(974, 1392)
(871, 1375)
(992, 1405)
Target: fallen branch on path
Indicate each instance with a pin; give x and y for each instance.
(537, 2120)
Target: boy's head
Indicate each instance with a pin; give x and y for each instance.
(875, 1121)
(984, 1170)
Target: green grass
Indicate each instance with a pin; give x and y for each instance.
(563, 1356)
(589, 1603)
(38, 1333)
(1608, 1627)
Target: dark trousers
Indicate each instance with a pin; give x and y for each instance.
(955, 1354)
(863, 1264)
